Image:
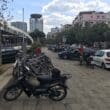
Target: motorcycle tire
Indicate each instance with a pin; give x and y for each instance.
(13, 90)
(55, 92)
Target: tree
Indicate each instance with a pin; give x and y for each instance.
(5, 12)
(33, 47)
(38, 35)
(87, 35)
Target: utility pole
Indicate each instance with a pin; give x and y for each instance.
(0, 47)
(24, 41)
(23, 15)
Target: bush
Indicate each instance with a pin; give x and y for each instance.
(33, 47)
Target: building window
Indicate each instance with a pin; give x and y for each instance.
(103, 17)
(98, 17)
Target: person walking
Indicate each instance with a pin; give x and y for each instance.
(81, 51)
(38, 51)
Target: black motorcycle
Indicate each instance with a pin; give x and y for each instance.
(41, 64)
(53, 86)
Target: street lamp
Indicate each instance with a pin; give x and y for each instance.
(24, 38)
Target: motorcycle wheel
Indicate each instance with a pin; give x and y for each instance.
(12, 93)
(57, 93)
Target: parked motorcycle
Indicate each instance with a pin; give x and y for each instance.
(17, 65)
(41, 64)
(52, 86)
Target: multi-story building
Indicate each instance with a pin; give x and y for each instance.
(54, 30)
(66, 27)
(108, 18)
(49, 35)
(36, 22)
(90, 17)
(20, 25)
(52, 34)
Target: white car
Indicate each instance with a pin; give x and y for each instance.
(102, 58)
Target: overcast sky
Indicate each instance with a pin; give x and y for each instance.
(56, 12)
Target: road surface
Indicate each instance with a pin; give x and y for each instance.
(89, 90)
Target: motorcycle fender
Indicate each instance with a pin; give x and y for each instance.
(13, 85)
(20, 85)
(65, 86)
(16, 83)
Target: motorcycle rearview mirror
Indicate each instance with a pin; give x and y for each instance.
(27, 68)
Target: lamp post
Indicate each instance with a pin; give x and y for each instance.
(0, 46)
(24, 38)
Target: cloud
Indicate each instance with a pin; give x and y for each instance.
(59, 12)
(55, 20)
(47, 28)
(19, 12)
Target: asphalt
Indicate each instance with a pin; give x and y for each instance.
(89, 89)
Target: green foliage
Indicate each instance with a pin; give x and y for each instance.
(5, 13)
(50, 41)
(88, 34)
(56, 38)
(33, 47)
(38, 35)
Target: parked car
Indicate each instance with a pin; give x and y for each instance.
(50, 46)
(59, 48)
(56, 48)
(69, 54)
(9, 55)
(102, 58)
(53, 47)
(65, 47)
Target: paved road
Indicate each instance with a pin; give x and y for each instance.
(6, 75)
(89, 90)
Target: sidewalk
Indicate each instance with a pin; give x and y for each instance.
(6, 75)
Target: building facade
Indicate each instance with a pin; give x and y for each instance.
(90, 17)
(20, 25)
(36, 22)
(108, 18)
(52, 33)
(66, 27)
(54, 30)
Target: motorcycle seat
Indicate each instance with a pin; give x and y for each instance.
(44, 78)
